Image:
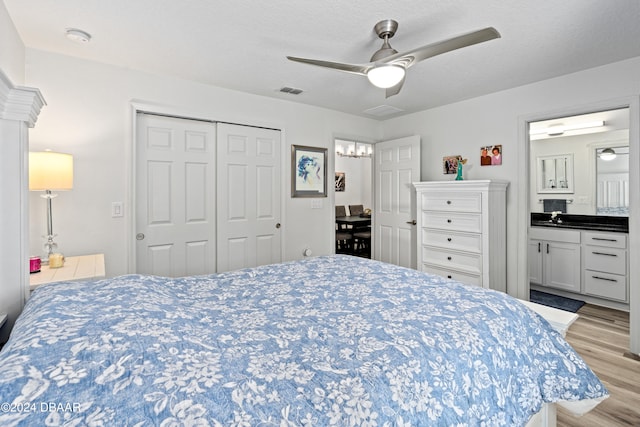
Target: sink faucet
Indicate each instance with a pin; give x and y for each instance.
(555, 218)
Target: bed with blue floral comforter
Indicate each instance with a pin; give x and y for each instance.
(334, 340)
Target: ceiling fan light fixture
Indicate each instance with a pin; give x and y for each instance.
(386, 76)
(607, 154)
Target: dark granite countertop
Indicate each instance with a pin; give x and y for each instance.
(618, 224)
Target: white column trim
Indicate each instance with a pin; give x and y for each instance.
(19, 103)
(19, 110)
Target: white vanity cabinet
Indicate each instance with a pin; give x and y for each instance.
(554, 258)
(462, 231)
(588, 264)
(605, 265)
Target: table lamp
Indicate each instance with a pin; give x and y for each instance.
(50, 171)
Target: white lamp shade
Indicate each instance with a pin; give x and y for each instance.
(50, 171)
(386, 76)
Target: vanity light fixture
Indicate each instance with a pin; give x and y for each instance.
(559, 129)
(608, 154)
(78, 36)
(353, 149)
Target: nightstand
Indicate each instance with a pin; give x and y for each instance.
(75, 268)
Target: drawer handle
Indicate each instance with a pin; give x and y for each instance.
(604, 278)
(603, 239)
(448, 239)
(603, 253)
(449, 276)
(449, 221)
(449, 258)
(448, 202)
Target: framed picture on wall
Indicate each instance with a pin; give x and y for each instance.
(491, 155)
(308, 171)
(340, 183)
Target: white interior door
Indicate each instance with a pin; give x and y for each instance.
(175, 196)
(397, 166)
(249, 191)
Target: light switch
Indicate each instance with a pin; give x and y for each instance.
(117, 209)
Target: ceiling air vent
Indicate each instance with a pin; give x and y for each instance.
(382, 110)
(291, 90)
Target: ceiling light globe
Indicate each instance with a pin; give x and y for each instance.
(608, 154)
(386, 76)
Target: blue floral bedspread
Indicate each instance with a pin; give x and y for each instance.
(324, 341)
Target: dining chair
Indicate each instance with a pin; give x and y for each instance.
(362, 242)
(356, 209)
(344, 242)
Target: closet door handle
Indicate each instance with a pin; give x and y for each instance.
(539, 247)
(547, 248)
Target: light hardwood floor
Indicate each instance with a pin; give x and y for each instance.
(601, 337)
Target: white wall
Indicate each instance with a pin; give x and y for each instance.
(358, 175)
(89, 116)
(462, 128)
(12, 49)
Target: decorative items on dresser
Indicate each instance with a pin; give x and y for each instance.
(462, 231)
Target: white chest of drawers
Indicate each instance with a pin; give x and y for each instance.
(462, 231)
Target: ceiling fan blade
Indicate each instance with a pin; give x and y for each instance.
(360, 69)
(394, 90)
(407, 59)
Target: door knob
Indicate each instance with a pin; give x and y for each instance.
(278, 225)
(140, 236)
(412, 222)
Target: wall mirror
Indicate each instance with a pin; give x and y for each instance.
(568, 167)
(612, 180)
(555, 174)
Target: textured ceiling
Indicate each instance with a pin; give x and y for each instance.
(242, 44)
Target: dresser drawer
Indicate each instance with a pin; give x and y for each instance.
(608, 260)
(609, 240)
(452, 240)
(611, 286)
(465, 261)
(452, 202)
(452, 221)
(466, 278)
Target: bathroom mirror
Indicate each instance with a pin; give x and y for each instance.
(592, 186)
(555, 174)
(612, 180)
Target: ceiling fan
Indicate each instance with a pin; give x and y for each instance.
(387, 67)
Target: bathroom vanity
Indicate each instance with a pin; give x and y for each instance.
(581, 256)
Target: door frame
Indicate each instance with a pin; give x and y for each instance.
(140, 106)
(331, 194)
(522, 285)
